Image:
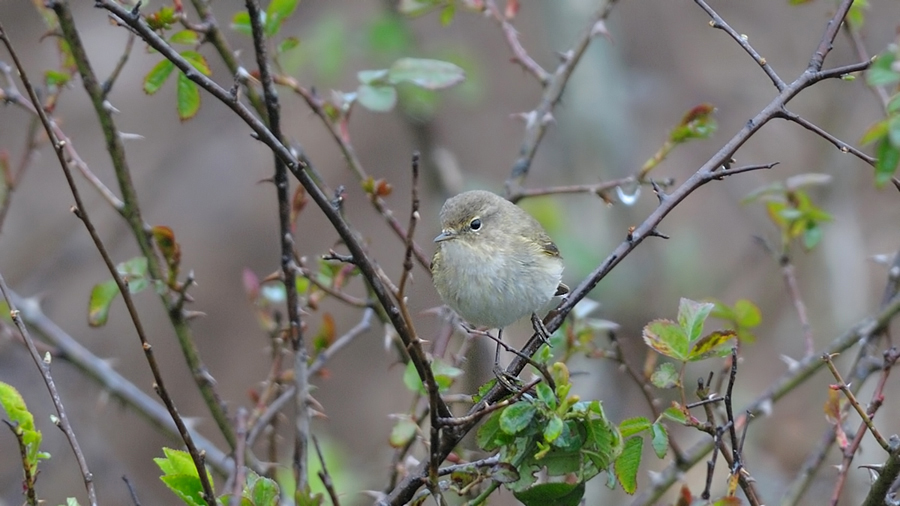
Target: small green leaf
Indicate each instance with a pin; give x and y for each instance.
(545, 395)
(877, 131)
(426, 73)
(553, 428)
(675, 414)
(240, 23)
(197, 61)
(632, 426)
(628, 463)
(276, 13)
(414, 8)
(71, 501)
(698, 123)
(713, 344)
(287, 44)
(888, 157)
(181, 476)
(516, 418)
(403, 432)
(692, 315)
(667, 338)
(747, 314)
(882, 73)
(263, 491)
(489, 436)
(411, 378)
(377, 98)
(157, 76)
(134, 274)
(102, 296)
(665, 376)
(812, 236)
(56, 78)
(447, 14)
(659, 439)
(188, 98)
(186, 37)
(552, 494)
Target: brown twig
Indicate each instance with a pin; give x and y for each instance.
(324, 476)
(520, 56)
(410, 229)
(295, 333)
(240, 474)
(541, 117)
(842, 386)
(793, 290)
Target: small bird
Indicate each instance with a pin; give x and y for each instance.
(494, 263)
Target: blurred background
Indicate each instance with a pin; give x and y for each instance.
(202, 178)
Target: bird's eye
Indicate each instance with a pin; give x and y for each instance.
(475, 224)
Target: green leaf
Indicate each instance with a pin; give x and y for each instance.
(747, 314)
(186, 37)
(102, 296)
(489, 436)
(545, 395)
(444, 374)
(659, 439)
(188, 99)
(411, 378)
(377, 98)
(71, 501)
(276, 13)
(698, 123)
(54, 78)
(197, 61)
(240, 23)
(447, 14)
(692, 315)
(17, 411)
(181, 476)
(516, 418)
(157, 76)
(426, 73)
(882, 73)
(888, 157)
(667, 338)
(628, 463)
(632, 426)
(812, 236)
(552, 494)
(877, 131)
(403, 432)
(714, 344)
(261, 490)
(665, 376)
(675, 414)
(287, 44)
(553, 429)
(134, 274)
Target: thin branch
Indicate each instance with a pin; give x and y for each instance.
(520, 56)
(793, 289)
(295, 333)
(855, 403)
(538, 119)
(108, 84)
(841, 145)
(240, 476)
(81, 213)
(743, 41)
(410, 229)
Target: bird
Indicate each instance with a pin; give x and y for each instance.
(494, 264)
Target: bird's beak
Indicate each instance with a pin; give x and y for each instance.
(445, 235)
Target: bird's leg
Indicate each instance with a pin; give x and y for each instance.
(541, 330)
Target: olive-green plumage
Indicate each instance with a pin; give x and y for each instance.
(494, 263)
